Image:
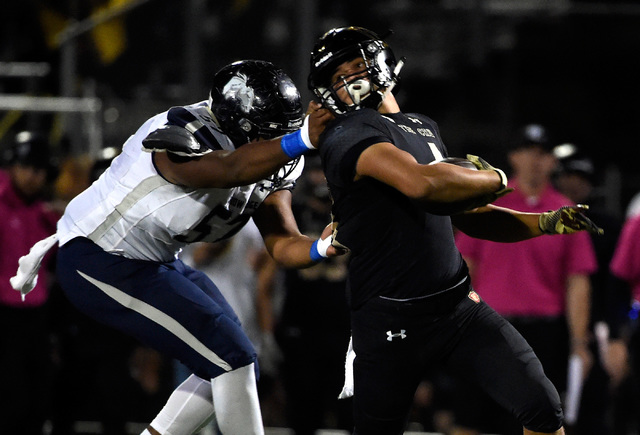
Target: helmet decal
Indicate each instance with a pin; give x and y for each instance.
(253, 99)
(237, 88)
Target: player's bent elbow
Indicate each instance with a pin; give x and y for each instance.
(423, 191)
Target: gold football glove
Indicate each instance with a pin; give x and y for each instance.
(568, 220)
(483, 165)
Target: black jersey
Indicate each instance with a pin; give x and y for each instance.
(397, 249)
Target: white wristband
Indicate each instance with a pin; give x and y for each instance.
(318, 251)
(323, 245)
(304, 133)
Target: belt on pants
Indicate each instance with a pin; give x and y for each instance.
(438, 303)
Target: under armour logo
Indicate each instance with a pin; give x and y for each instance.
(401, 334)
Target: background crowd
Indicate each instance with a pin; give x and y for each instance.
(483, 69)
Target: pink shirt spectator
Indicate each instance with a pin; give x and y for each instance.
(626, 259)
(528, 278)
(4, 178)
(22, 226)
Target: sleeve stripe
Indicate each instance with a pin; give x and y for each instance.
(194, 126)
(182, 117)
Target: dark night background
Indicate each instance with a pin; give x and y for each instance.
(480, 68)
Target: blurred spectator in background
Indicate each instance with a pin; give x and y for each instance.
(314, 327)
(25, 347)
(577, 178)
(73, 178)
(626, 266)
(541, 286)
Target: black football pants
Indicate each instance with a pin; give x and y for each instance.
(396, 343)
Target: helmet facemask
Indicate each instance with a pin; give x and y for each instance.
(365, 88)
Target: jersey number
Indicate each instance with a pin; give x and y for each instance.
(204, 227)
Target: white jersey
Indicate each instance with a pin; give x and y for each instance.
(133, 211)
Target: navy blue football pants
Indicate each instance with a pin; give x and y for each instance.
(168, 306)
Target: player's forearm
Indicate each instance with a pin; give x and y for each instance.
(578, 305)
(448, 183)
(291, 252)
(266, 277)
(224, 169)
(429, 184)
(254, 162)
(498, 224)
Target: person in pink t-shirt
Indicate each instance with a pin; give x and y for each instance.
(25, 354)
(541, 285)
(625, 265)
(626, 260)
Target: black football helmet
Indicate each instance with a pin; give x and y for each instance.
(29, 148)
(341, 45)
(253, 98)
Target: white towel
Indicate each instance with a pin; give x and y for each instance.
(347, 389)
(28, 266)
(574, 389)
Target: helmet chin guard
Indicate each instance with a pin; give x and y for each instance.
(358, 90)
(365, 90)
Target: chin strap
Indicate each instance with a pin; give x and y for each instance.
(396, 73)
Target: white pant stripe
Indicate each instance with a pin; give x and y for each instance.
(160, 318)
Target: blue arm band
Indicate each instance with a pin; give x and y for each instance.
(314, 253)
(293, 145)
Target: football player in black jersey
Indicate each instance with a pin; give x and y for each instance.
(412, 304)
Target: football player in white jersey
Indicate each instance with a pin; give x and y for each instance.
(184, 177)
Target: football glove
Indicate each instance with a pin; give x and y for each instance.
(567, 220)
(175, 140)
(483, 165)
(472, 203)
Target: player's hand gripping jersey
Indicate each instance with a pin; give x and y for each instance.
(132, 211)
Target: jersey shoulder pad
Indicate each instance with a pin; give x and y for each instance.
(364, 115)
(426, 121)
(353, 128)
(199, 121)
(358, 122)
(421, 117)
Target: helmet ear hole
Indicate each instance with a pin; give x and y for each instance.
(245, 125)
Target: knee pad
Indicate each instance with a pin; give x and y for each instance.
(188, 408)
(545, 413)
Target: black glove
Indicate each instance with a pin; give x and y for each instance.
(175, 140)
(567, 220)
